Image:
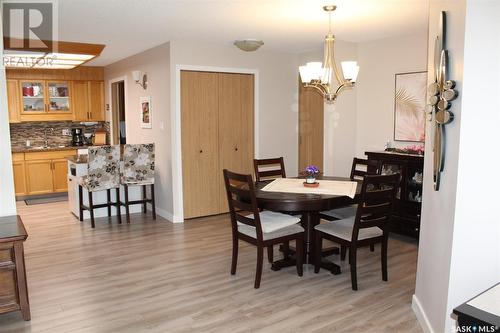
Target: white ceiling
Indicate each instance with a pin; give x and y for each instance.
(127, 27)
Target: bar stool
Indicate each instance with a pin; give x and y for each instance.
(139, 170)
(103, 173)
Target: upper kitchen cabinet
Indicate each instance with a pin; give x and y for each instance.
(45, 100)
(13, 101)
(88, 101)
(52, 95)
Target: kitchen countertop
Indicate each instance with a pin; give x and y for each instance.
(50, 148)
(80, 159)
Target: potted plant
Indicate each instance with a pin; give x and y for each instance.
(311, 173)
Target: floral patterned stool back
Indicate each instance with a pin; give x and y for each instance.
(103, 174)
(139, 170)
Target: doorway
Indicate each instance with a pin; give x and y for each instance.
(118, 112)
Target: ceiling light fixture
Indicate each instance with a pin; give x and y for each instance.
(320, 76)
(248, 45)
(69, 55)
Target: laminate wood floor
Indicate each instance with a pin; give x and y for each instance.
(159, 277)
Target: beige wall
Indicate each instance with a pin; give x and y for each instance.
(459, 252)
(156, 63)
(379, 61)
(7, 203)
(277, 99)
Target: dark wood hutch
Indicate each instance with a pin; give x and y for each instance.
(408, 205)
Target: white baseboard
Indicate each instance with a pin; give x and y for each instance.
(421, 316)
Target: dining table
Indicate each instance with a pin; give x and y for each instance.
(309, 206)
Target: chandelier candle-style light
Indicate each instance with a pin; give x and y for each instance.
(321, 76)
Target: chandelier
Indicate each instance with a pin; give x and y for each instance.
(321, 76)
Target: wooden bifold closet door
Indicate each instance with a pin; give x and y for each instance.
(217, 133)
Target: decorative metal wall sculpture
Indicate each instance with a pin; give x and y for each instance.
(441, 93)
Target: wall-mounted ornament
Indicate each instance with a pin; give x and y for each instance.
(441, 92)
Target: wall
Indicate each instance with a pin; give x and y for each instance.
(277, 100)
(340, 117)
(459, 254)
(156, 63)
(7, 202)
(379, 60)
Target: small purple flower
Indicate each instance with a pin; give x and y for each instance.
(312, 170)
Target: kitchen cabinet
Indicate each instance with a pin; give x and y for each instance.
(59, 175)
(19, 177)
(44, 100)
(13, 101)
(39, 176)
(41, 172)
(88, 101)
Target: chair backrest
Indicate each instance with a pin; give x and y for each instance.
(139, 163)
(103, 168)
(242, 201)
(376, 202)
(272, 168)
(369, 167)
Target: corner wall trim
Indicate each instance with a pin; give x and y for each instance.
(421, 316)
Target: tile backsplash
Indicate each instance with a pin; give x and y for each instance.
(34, 131)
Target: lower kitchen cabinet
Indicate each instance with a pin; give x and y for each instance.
(41, 172)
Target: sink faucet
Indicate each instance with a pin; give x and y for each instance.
(46, 140)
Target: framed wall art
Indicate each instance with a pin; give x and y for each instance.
(409, 106)
(145, 108)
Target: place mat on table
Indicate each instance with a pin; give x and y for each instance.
(328, 187)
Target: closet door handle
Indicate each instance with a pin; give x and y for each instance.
(235, 148)
(201, 151)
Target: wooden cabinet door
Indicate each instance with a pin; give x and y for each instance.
(19, 177)
(39, 176)
(236, 99)
(13, 101)
(311, 124)
(60, 175)
(96, 101)
(199, 125)
(80, 100)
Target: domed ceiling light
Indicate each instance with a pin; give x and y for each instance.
(248, 45)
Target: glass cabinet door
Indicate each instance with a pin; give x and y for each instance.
(33, 96)
(58, 96)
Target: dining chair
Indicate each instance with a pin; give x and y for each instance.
(103, 174)
(262, 229)
(360, 168)
(269, 168)
(139, 170)
(367, 227)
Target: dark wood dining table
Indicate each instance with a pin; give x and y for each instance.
(309, 207)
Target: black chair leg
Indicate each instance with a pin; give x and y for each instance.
(153, 204)
(299, 243)
(91, 209)
(80, 202)
(258, 271)
(286, 249)
(234, 259)
(317, 249)
(108, 193)
(144, 198)
(118, 206)
(343, 250)
(372, 247)
(270, 254)
(127, 209)
(384, 259)
(354, 277)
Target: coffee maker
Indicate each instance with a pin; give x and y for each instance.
(77, 137)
